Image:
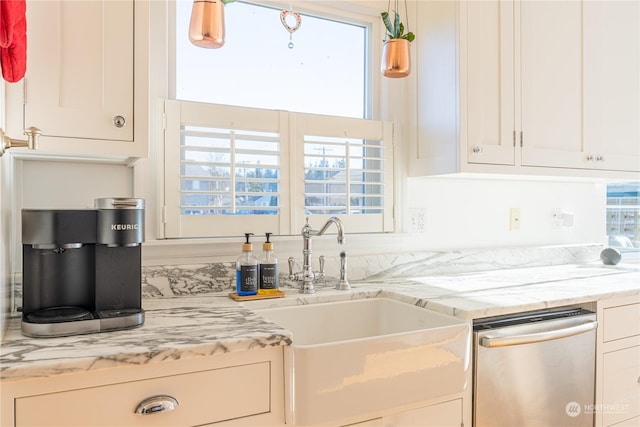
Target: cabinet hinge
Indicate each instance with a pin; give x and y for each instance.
(521, 139)
(514, 138)
(164, 121)
(24, 91)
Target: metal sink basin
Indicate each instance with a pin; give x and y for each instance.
(359, 358)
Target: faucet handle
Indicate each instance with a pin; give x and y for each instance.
(292, 266)
(343, 284)
(320, 274)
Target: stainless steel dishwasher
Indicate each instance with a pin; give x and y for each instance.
(535, 369)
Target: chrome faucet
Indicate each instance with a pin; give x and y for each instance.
(307, 275)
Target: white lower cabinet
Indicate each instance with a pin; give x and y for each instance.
(203, 397)
(618, 363)
(244, 389)
(446, 414)
(621, 385)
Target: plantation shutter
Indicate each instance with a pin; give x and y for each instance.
(223, 172)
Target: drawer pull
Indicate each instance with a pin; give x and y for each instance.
(156, 404)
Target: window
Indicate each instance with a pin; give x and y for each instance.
(623, 215)
(324, 73)
(226, 171)
(343, 175)
(260, 135)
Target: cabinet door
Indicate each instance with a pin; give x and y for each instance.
(80, 68)
(551, 83)
(489, 42)
(621, 391)
(612, 84)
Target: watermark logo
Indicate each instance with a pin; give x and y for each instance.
(573, 409)
(607, 408)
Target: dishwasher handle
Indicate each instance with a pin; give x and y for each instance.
(528, 334)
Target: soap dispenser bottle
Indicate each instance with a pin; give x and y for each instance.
(268, 269)
(247, 270)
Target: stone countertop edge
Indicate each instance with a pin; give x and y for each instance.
(196, 326)
(174, 328)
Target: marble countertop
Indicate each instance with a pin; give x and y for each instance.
(174, 328)
(192, 326)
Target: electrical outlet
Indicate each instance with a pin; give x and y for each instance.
(561, 219)
(514, 219)
(417, 220)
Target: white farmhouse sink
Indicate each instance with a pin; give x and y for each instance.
(360, 358)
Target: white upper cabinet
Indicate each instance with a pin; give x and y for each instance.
(580, 101)
(490, 83)
(81, 68)
(612, 84)
(79, 86)
(528, 87)
(551, 81)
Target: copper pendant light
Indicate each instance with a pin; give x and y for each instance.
(206, 28)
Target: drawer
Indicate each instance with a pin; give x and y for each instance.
(204, 397)
(621, 385)
(621, 322)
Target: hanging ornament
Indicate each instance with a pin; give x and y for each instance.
(291, 22)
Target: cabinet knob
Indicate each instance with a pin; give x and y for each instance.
(156, 404)
(590, 158)
(600, 158)
(119, 121)
(477, 150)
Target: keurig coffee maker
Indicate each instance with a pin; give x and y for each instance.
(81, 268)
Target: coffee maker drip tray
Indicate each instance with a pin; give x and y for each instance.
(59, 314)
(66, 321)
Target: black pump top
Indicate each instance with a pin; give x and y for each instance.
(267, 246)
(247, 246)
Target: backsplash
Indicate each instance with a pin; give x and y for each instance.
(197, 279)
